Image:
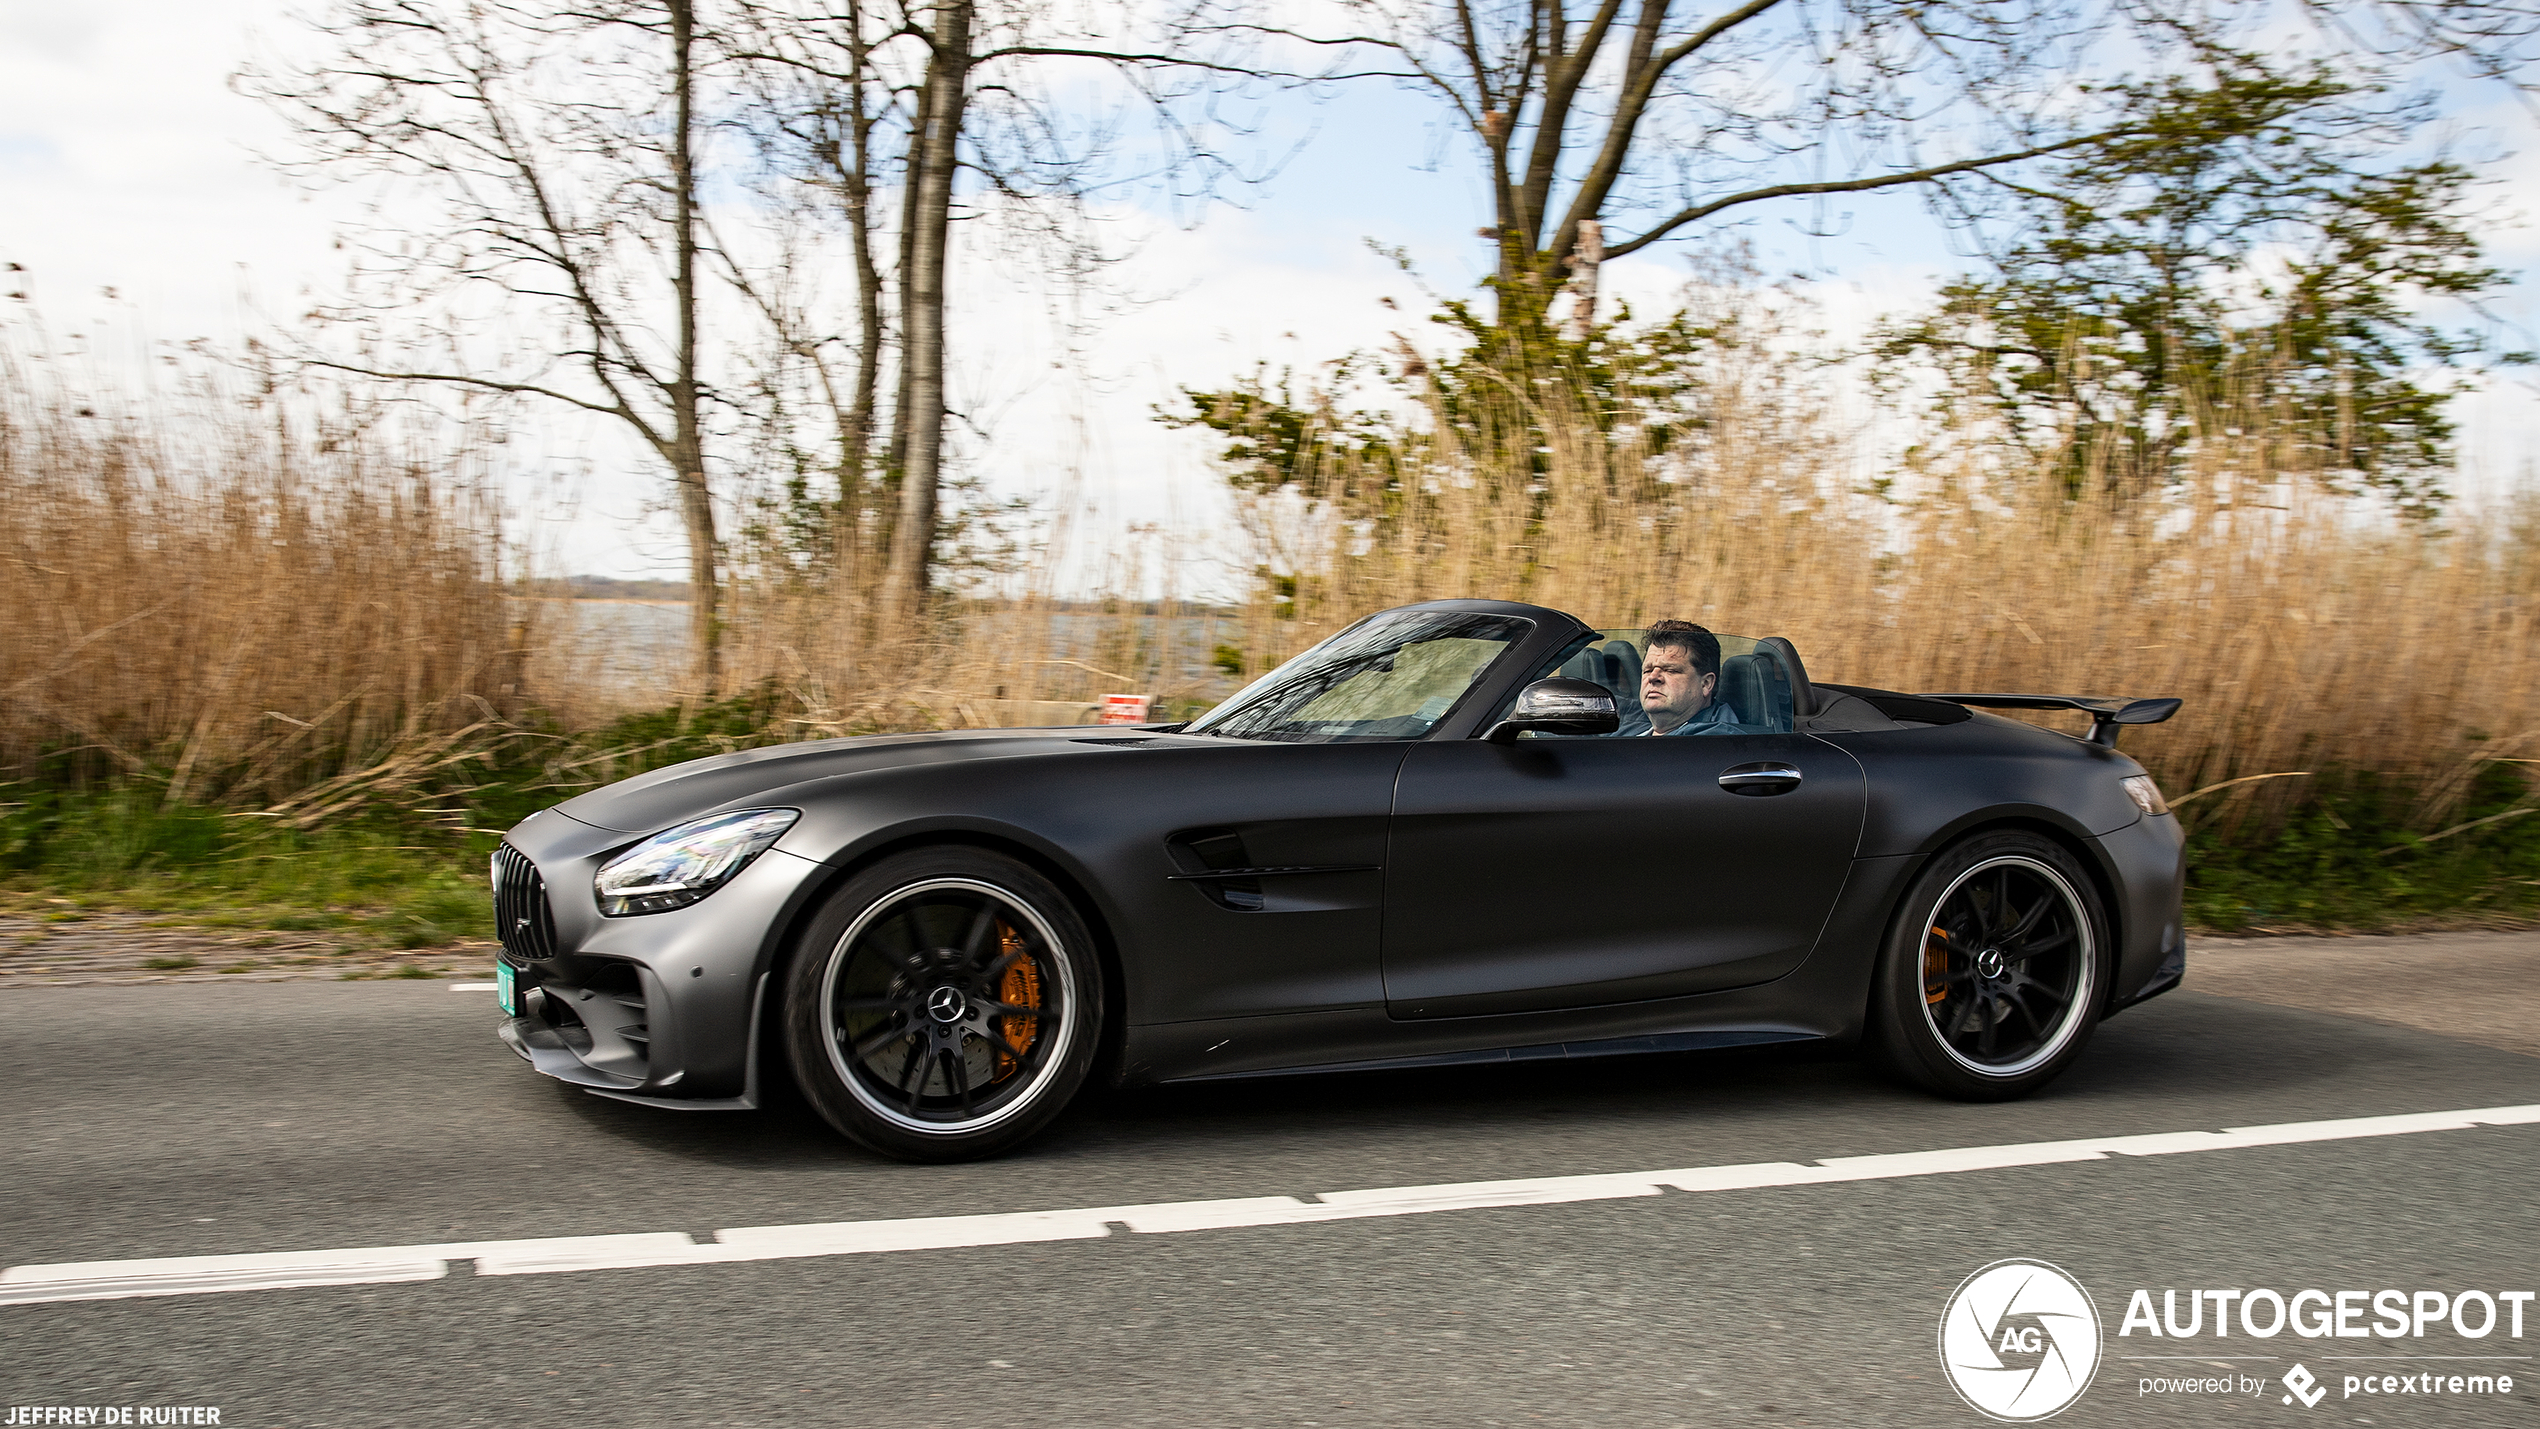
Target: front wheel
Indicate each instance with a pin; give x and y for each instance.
(944, 1005)
(1994, 973)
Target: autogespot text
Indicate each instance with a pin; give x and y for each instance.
(2331, 1314)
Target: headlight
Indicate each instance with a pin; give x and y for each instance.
(676, 867)
(2145, 793)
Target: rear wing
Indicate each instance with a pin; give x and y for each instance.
(2106, 715)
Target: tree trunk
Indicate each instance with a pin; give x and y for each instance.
(868, 294)
(937, 152)
(896, 458)
(687, 454)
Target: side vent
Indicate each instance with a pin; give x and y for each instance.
(1200, 852)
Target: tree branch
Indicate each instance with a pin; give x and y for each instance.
(1699, 212)
(620, 410)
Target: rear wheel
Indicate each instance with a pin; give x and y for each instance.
(945, 1005)
(1995, 972)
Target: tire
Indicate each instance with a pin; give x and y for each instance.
(1995, 971)
(905, 1005)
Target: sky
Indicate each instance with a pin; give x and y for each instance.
(133, 194)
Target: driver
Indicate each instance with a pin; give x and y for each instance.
(1678, 673)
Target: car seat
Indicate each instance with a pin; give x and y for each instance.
(1754, 687)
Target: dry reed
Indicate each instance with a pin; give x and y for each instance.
(241, 613)
(219, 592)
(2307, 633)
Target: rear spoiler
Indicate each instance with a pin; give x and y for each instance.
(2106, 716)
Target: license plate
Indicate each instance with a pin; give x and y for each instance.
(506, 991)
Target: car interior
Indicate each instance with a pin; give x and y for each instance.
(1753, 682)
(1760, 680)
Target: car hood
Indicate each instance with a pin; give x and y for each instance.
(703, 786)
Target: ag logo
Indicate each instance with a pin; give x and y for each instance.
(2019, 1341)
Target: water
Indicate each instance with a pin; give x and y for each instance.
(635, 653)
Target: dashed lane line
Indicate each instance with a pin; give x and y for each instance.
(382, 1265)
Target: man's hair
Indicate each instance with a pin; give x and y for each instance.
(1700, 645)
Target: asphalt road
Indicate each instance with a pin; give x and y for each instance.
(212, 1119)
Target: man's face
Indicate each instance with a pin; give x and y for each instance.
(1670, 692)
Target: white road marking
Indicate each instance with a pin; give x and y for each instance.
(475, 987)
(380, 1265)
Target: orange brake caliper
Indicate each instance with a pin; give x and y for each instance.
(1021, 988)
(1935, 967)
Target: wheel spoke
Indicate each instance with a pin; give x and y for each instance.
(875, 1041)
(2021, 979)
(979, 926)
(2028, 920)
(1010, 1009)
(996, 969)
(2014, 999)
(1984, 1034)
(909, 1079)
(957, 1072)
(2056, 943)
(907, 959)
(874, 1004)
(1966, 921)
(2001, 901)
(1958, 1024)
(1960, 978)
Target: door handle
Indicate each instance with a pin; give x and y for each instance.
(1757, 780)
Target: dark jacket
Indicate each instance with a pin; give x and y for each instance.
(1713, 718)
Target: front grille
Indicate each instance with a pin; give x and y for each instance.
(521, 916)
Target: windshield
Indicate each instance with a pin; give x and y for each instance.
(1393, 676)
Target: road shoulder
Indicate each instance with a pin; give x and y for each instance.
(2478, 987)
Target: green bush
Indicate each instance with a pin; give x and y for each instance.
(2345, 860)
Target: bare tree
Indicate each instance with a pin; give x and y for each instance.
(829, 129)
(992, 110)
(563, 142)
(1652, 118)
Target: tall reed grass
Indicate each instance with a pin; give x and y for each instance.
(2315, 639)
(241, 596)
(236, 594)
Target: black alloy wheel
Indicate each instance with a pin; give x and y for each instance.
(944, 1005)
(1994, 974)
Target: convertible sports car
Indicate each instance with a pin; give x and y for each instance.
(1432, 839)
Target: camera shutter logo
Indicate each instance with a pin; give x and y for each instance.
(2019, 1341)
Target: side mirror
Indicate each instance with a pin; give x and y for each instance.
(1559, 706)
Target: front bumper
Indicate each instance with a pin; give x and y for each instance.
(661, 1009)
